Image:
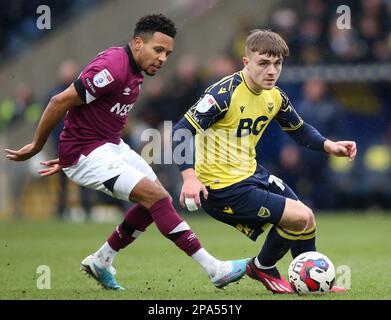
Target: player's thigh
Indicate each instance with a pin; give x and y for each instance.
(149, 189)
(278, 186)
(105, 170)
(147, 192)
(248, 208)
(296, 213)
(136, 161)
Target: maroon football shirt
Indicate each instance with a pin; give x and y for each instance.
(109, 85)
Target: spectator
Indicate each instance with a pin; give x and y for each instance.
(67, 73)
(285, 21)
(18, 22)
(218, 67)
(18, 116)
(311, 41)
(236, 45)
(187, 86)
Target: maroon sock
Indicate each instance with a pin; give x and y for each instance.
(167, 219)
(136, 220)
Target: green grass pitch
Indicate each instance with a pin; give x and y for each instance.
(152, 268)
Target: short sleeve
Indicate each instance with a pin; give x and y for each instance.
(98, 78)
(211, 107)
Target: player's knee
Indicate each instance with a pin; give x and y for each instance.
(147, 193)
(296, 216)
(311, 219)
(300, 221)
(159, 193)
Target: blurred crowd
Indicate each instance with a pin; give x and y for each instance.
(344, 111)
(311, 30)
(18, 20)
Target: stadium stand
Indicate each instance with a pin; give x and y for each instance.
(337, 79)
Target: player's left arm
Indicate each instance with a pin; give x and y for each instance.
(341, 148)
(307, 136)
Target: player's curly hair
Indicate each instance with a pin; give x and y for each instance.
(151, 23)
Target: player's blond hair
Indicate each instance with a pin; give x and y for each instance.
(266, 42)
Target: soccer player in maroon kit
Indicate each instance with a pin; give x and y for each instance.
(92, 153)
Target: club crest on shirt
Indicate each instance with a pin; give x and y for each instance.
(270, 107)
(103, 78)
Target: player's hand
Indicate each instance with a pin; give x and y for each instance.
(53, 166)
(341, 148)
(191, 189)
(25, 153)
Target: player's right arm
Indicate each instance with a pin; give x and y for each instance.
(191, 187)
(54, 112)
(210, 108)
(96, 80)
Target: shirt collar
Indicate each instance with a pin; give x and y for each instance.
(132, 62)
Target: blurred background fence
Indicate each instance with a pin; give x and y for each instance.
(337, 78)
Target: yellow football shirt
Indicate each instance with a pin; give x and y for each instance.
(230, 119)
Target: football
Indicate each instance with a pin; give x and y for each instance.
(311, 272)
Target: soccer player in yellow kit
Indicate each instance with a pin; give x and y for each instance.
(225, 178)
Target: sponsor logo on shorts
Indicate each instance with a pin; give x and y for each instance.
(245, 229)
(115, 165)
(228, 210)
